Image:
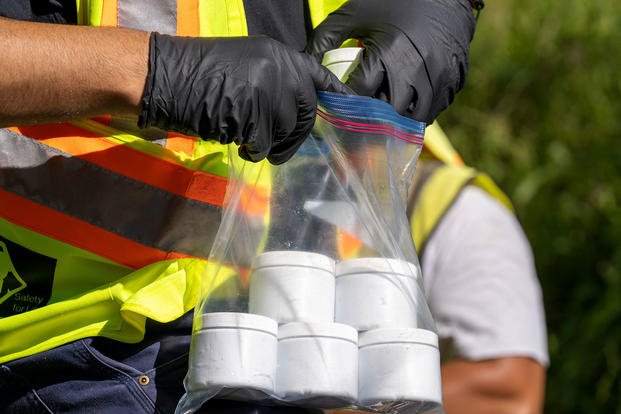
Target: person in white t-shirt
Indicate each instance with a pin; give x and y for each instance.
(482, 289)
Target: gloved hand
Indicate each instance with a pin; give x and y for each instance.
(416, 51)
(253, 91)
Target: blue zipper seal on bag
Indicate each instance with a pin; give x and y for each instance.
(368, 116)
(368, 109)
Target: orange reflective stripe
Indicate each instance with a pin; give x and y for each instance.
(254, 201)
(157, 172)
(180, 143)
(188, 19)
(348, 246)
(67, 229)
(84, 190)
(174, 141)
(109, 13)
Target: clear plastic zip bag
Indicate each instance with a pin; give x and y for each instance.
(313, 296)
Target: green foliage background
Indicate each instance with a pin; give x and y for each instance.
(541, 113)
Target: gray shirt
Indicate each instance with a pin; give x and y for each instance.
(481, 284)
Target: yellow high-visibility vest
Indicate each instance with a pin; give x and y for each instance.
(443, 186)
(124, 223)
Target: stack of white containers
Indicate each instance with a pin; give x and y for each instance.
(317, 358)
(397, 361)
(322, 334)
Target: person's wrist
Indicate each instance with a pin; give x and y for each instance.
(131, 76)
(139, 72)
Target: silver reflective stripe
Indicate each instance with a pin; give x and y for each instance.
(149, 15)
(106, 199)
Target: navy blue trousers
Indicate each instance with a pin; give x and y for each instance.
(99, 375)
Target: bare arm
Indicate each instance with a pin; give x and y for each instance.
(53, 73)
(496, 386)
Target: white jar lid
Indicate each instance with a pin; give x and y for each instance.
(238, 320)
(318, 329)
(293, 258)
(343, 54)
(377, 265)
(398, 335)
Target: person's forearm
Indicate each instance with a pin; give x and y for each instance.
(496, 386)
(54, 73)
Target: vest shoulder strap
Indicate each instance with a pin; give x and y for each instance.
(435, 191)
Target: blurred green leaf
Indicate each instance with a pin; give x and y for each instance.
(541, 113)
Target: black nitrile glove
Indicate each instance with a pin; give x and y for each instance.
(416, 51)
(253, 91)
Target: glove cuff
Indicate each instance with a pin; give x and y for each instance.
(144, 118)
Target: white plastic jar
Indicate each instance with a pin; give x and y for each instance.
(376, 293)
(292, 286)
(342, 61)
(399, 365)
(234, 350)
(317, 364)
